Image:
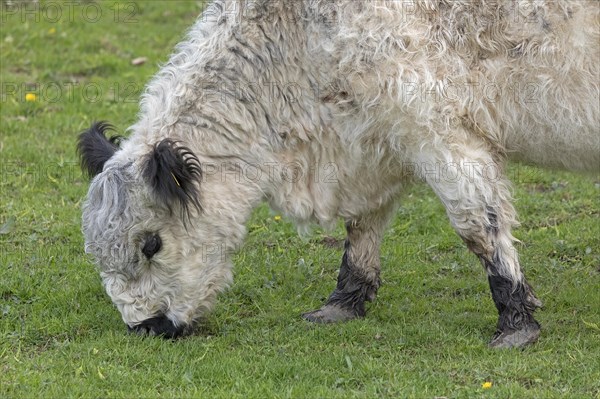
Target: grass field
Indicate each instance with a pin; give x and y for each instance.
(67, 64)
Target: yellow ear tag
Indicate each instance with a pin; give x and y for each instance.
(176, 181)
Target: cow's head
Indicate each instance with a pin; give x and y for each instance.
(161, 233)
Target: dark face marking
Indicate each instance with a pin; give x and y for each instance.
(152, 245)
(159, 325)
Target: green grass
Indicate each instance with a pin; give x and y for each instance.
(424, 337)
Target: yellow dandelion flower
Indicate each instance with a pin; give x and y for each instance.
(486, 385)
(277, 218)
(30, 97)
(51, 31)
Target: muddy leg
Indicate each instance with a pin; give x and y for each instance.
(358, 279)
(478, 202)
(515, 303)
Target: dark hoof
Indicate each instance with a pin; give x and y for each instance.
(158, 326)
(330, 314)
(516, 338)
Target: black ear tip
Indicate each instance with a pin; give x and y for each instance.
(94, 148)
(98, 130)
(173, 172)
(102, 126)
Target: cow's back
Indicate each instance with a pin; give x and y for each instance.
(523, 75)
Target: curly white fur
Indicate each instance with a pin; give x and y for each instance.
(325, 107)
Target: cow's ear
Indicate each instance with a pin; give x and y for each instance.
(173, 172)
(94, 148)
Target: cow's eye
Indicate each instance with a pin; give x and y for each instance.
(152, 245)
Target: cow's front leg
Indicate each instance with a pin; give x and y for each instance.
(358, 279)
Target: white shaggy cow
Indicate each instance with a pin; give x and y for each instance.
(266, 99)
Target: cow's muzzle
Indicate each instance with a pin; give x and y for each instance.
(158, 326)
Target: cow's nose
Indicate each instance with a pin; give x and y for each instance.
(160, 325)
